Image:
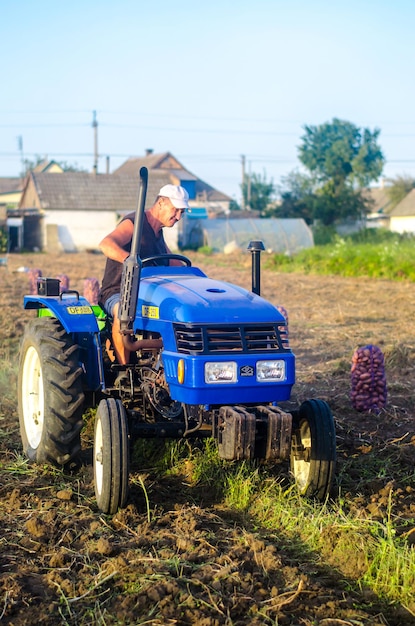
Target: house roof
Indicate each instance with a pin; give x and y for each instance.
(165, 161)
(406, 207)
(112, 192)
(209, 194)
(152, 161)
(381, 203)
(82, 191)
(46, 165)
(10, 184)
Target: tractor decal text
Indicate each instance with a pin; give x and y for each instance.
(150, 311)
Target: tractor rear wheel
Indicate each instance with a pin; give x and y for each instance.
(313, 451)
(111, 456)
(50, 395)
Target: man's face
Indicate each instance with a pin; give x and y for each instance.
(168, 214)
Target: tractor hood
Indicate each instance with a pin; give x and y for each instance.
(186, 295)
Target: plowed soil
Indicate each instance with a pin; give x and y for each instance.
(194, 561)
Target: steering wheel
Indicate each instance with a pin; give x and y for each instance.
(158, 260)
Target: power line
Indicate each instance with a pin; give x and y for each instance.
(201, 157)
(215, 159)
(158, 128)
(221, 131)
(48, 125)
(184, 116)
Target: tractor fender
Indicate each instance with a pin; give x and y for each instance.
(75, 313)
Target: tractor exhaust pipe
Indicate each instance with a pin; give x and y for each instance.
(130, 280)
(141, 344)
(256, 247)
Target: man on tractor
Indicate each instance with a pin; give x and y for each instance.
(168, 208)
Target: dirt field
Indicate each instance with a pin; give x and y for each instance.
(195, 562)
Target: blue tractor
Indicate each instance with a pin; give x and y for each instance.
(210, 359)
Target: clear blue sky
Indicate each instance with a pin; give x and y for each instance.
(207, 81)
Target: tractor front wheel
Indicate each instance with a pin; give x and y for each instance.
(111, 456)
(50, 395)
(313, 451)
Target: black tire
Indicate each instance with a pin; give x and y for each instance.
(50, 395)
(313, 451)
(111, 456)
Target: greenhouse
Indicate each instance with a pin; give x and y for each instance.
(285, 236)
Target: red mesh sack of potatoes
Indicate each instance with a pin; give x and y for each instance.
(64, 282)
(284, 313)
(368, 379)
(91, 290)
(33, 274)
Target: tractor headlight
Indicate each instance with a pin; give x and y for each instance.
(270, 371)
(220, 372)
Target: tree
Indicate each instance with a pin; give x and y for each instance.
(400, 187)
(71, 167)
(297, 197)
(66, 167)
(234, 206)
(341, 159)
(333, 203)
(257, 192)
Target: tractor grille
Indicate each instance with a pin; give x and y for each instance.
(200, 339)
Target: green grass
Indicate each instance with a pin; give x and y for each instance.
(326, 534)
(385, 562)
(8, 376)
(8, 382)
(386, 257)
(367, 551)
(374, 253)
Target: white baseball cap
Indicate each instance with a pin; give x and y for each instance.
(178, 196)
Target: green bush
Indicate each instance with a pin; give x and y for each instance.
(3, 239)
(378, 255)
(323, 235)
(207, 250)
(376, 235)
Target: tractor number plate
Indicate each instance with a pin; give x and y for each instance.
(79, 310)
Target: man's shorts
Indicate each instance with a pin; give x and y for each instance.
(111, 302)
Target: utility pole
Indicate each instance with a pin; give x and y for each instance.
(248, 191)
(243, 182)
(95, 127)
(20, 146)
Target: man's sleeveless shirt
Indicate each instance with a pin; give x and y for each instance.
(151, 245)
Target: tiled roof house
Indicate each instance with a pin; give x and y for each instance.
(402, 216)
(200, 193)
(74, 210)
(380, 206)
(10, 191)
